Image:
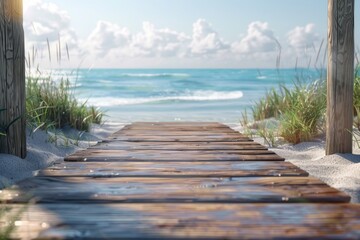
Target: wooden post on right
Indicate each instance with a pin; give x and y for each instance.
(340, 76)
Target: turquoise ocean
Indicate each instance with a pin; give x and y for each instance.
(128, 95)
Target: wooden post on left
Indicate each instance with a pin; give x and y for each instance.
(12, 79)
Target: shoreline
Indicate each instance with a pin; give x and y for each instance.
(341, 171)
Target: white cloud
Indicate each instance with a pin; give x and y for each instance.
(205, 40)
(158, 42)
(259, 38)
(301, 38)
(160, 47)
(46, 21)
(111, 39)
(106, 37)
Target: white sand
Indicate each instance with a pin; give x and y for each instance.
(43, 152)
(341, 171)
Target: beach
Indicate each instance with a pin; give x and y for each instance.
(221, 95)
(341, 171)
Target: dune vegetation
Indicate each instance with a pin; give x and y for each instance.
(299, 110)
(52, 103)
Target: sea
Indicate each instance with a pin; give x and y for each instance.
(128, 95)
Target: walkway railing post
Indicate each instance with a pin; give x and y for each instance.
(340, 76)
(12, 79)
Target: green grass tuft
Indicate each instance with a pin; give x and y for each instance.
(304, 115)
(357, 102)
(300, 109)
(52, 104)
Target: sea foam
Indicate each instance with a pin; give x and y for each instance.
(155, 75)
(191, 96)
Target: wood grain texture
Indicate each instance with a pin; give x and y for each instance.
(173, 190)
(188, 221)
(340, 76)
(178, 146)
(97, 155)
(176, 133)
(188, 126)
(177, 124)
(12, 78)
(179, 138)
(173, 169)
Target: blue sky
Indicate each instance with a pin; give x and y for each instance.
(177, 33)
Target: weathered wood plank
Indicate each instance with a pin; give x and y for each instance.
(155, 155)
(171, 169)
(192, 125)
(12, 78)
(173, 128)
(340, 76)
(176, 138)
(175, 190)
(174, 124)
(176, 127)
(176, 133)
(188, 146)
(188, 221)
(183, 129)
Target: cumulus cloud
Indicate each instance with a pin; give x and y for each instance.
(44, 23)
(106, 37)
(259, 38)
(156, 46)
(44, 20)
(158, 42)
(301, 38)
(205, 40)
(109, 38)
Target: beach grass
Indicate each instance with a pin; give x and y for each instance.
(300, 110)
(303, 117)
(52, 104)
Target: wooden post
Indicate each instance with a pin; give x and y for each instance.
(340, 76)
(12, 78)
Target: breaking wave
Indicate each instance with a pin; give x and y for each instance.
(192, 96)
(155, 75)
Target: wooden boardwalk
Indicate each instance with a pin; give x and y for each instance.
(179, 181)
